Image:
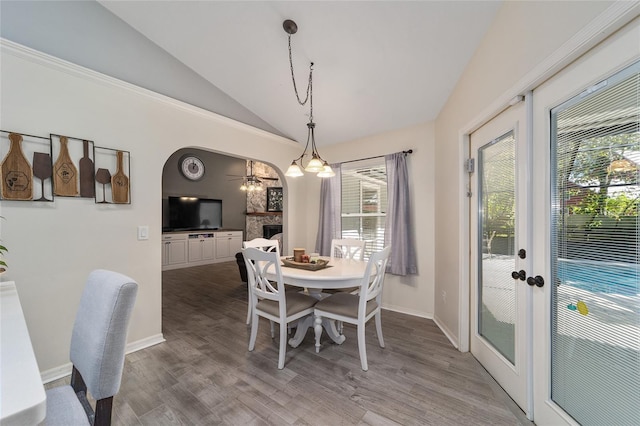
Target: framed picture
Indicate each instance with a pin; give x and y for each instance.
(26, 167)
(112, 176)
(73, 169)
(274, 199)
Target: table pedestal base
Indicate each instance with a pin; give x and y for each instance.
(305, 323)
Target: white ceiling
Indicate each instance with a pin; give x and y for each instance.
(379, 65)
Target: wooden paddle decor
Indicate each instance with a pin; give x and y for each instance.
(65, 173)
(17, 174)
(120, 182)
(87, 184)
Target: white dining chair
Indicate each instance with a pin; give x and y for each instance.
(358, 309)
(97, 352)
(348, 248)
(264, 245)
(269, 299)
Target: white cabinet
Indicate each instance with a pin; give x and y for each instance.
(174, 251)
(182, 250)
(201, 248)
(227, 245)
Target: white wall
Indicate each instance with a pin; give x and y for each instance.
(523, 35)
(412, 294)
(53, 246)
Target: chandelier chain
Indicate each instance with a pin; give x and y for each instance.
(309, 91)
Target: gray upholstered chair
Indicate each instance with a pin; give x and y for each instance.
(269, 299)
(360, 308)
(97, 351)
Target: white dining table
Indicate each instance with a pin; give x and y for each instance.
(23, 400)
(340, 274)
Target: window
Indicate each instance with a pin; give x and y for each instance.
(364, 202)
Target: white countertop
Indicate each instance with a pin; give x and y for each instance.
(22, 395)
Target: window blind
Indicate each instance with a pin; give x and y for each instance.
(364, 202)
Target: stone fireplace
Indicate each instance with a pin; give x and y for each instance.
(257, 215)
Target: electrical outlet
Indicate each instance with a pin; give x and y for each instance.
(444, 296)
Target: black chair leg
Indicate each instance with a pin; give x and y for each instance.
(103, 412)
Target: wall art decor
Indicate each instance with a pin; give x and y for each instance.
(73, 166)
(112, 176)
(26, 167)
(274, 199)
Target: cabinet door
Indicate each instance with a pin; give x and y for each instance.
(235, 245)
(176, 252)
(222, 247)
(195, 250)
(208, 249)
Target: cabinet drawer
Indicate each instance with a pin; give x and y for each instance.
(173, 237)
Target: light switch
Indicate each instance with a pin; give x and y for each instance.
(143, 232)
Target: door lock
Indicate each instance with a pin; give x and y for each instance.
(522, 254)
(538, 281)
(519, 275)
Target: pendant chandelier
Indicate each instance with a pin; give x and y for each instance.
(251, 182)
(316, 164)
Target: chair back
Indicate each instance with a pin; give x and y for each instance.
(100, 331)
(263, 244)
(348, 248)
(258, 262)
(371, 288)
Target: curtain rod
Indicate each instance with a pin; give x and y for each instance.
(409, 151)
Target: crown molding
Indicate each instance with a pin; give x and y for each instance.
(8, 47)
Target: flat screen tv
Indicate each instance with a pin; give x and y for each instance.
(193, 213)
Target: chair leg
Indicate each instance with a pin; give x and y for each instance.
(362, 348)
(103, 412)
(283, 345)
(254, 331)
(379, 329)
(249, 304)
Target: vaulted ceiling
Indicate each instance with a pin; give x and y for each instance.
(379, 65)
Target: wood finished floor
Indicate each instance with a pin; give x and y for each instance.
(204, 375)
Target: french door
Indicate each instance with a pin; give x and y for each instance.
(559, 209)
(500, 336)
(586, 154)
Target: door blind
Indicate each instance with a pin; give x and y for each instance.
(595, 252)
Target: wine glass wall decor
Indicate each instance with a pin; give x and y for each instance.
(73, 166)
(25, 165)
(112, 177)
(37, 168)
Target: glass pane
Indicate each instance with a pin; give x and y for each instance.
(496, 228)
(364, 203)
(595, 372)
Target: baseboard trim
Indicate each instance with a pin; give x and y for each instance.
(401, 310)
(446, 332)
(145, 343)
(65, 369)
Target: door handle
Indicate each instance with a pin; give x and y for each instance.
(519, 275)
(538, 281)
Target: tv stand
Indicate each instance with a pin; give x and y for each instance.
(195, 248)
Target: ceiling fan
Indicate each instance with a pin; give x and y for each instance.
(252, 182)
